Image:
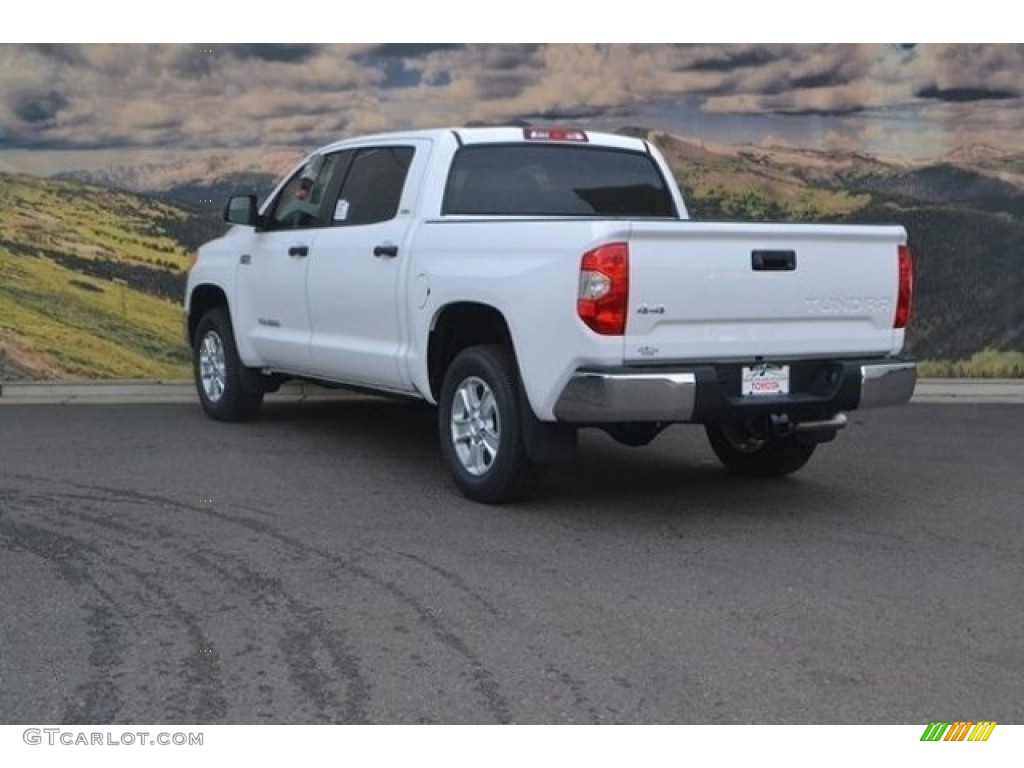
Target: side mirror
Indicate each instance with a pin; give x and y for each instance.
(241, 209)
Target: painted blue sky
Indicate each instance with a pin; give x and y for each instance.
(69, 105)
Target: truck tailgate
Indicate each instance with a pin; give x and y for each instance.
(720, 291)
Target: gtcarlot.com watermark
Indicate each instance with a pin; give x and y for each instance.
(69, 738)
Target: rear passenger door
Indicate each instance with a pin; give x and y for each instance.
(356, 303)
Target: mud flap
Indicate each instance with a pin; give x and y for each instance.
(546, 442)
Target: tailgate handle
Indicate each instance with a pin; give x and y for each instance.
(773, 261)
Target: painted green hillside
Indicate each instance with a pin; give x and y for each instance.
(91, 281)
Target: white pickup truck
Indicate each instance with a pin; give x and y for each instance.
(533, 281)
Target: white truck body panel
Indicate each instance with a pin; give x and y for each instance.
(839, 300)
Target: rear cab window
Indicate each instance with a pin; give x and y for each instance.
(556, 180)
(372, 188)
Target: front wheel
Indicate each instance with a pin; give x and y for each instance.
(480, 429)
(228, 391)
(749, 454)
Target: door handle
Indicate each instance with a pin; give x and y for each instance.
(773, 261)
(298, 251)
(385, 251)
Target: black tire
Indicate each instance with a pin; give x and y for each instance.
(228, 391)
(749, 455)
(480, 428)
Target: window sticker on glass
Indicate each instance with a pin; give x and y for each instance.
(341, 210)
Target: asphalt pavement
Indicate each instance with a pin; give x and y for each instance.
(318, 566)
(998, 391)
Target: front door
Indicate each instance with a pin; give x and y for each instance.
(273, 308)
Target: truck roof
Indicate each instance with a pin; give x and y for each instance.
(497, 135)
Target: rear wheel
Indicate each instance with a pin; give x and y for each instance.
(480, 429)
(228, 391)
(749, 454)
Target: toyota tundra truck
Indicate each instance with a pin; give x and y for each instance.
(531, 282)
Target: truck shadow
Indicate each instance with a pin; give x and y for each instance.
(676, 474)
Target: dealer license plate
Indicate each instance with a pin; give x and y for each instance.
(762, 380)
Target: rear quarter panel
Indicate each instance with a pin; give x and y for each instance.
(529, 271)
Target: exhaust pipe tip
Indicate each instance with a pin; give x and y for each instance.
(837, 422)
(823, 431)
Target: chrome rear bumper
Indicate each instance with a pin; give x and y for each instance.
(886, 384)
(603, 397)
(699, 394)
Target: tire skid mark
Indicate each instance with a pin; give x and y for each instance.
(306, 630)
(199, 668)
(201, 672)
(311, 634)
(456, 581)
(307, 635)
(109, 494)
(96, 699)
(65, 554)
(81, 572)
(575, 687)
(483, 680)
(313, 631)
(201, 697)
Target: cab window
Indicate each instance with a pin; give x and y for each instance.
(372, 189)
(301, 203)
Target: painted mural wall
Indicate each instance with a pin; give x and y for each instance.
(115, 161)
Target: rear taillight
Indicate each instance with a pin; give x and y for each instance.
(604, 289)
(906, 288)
